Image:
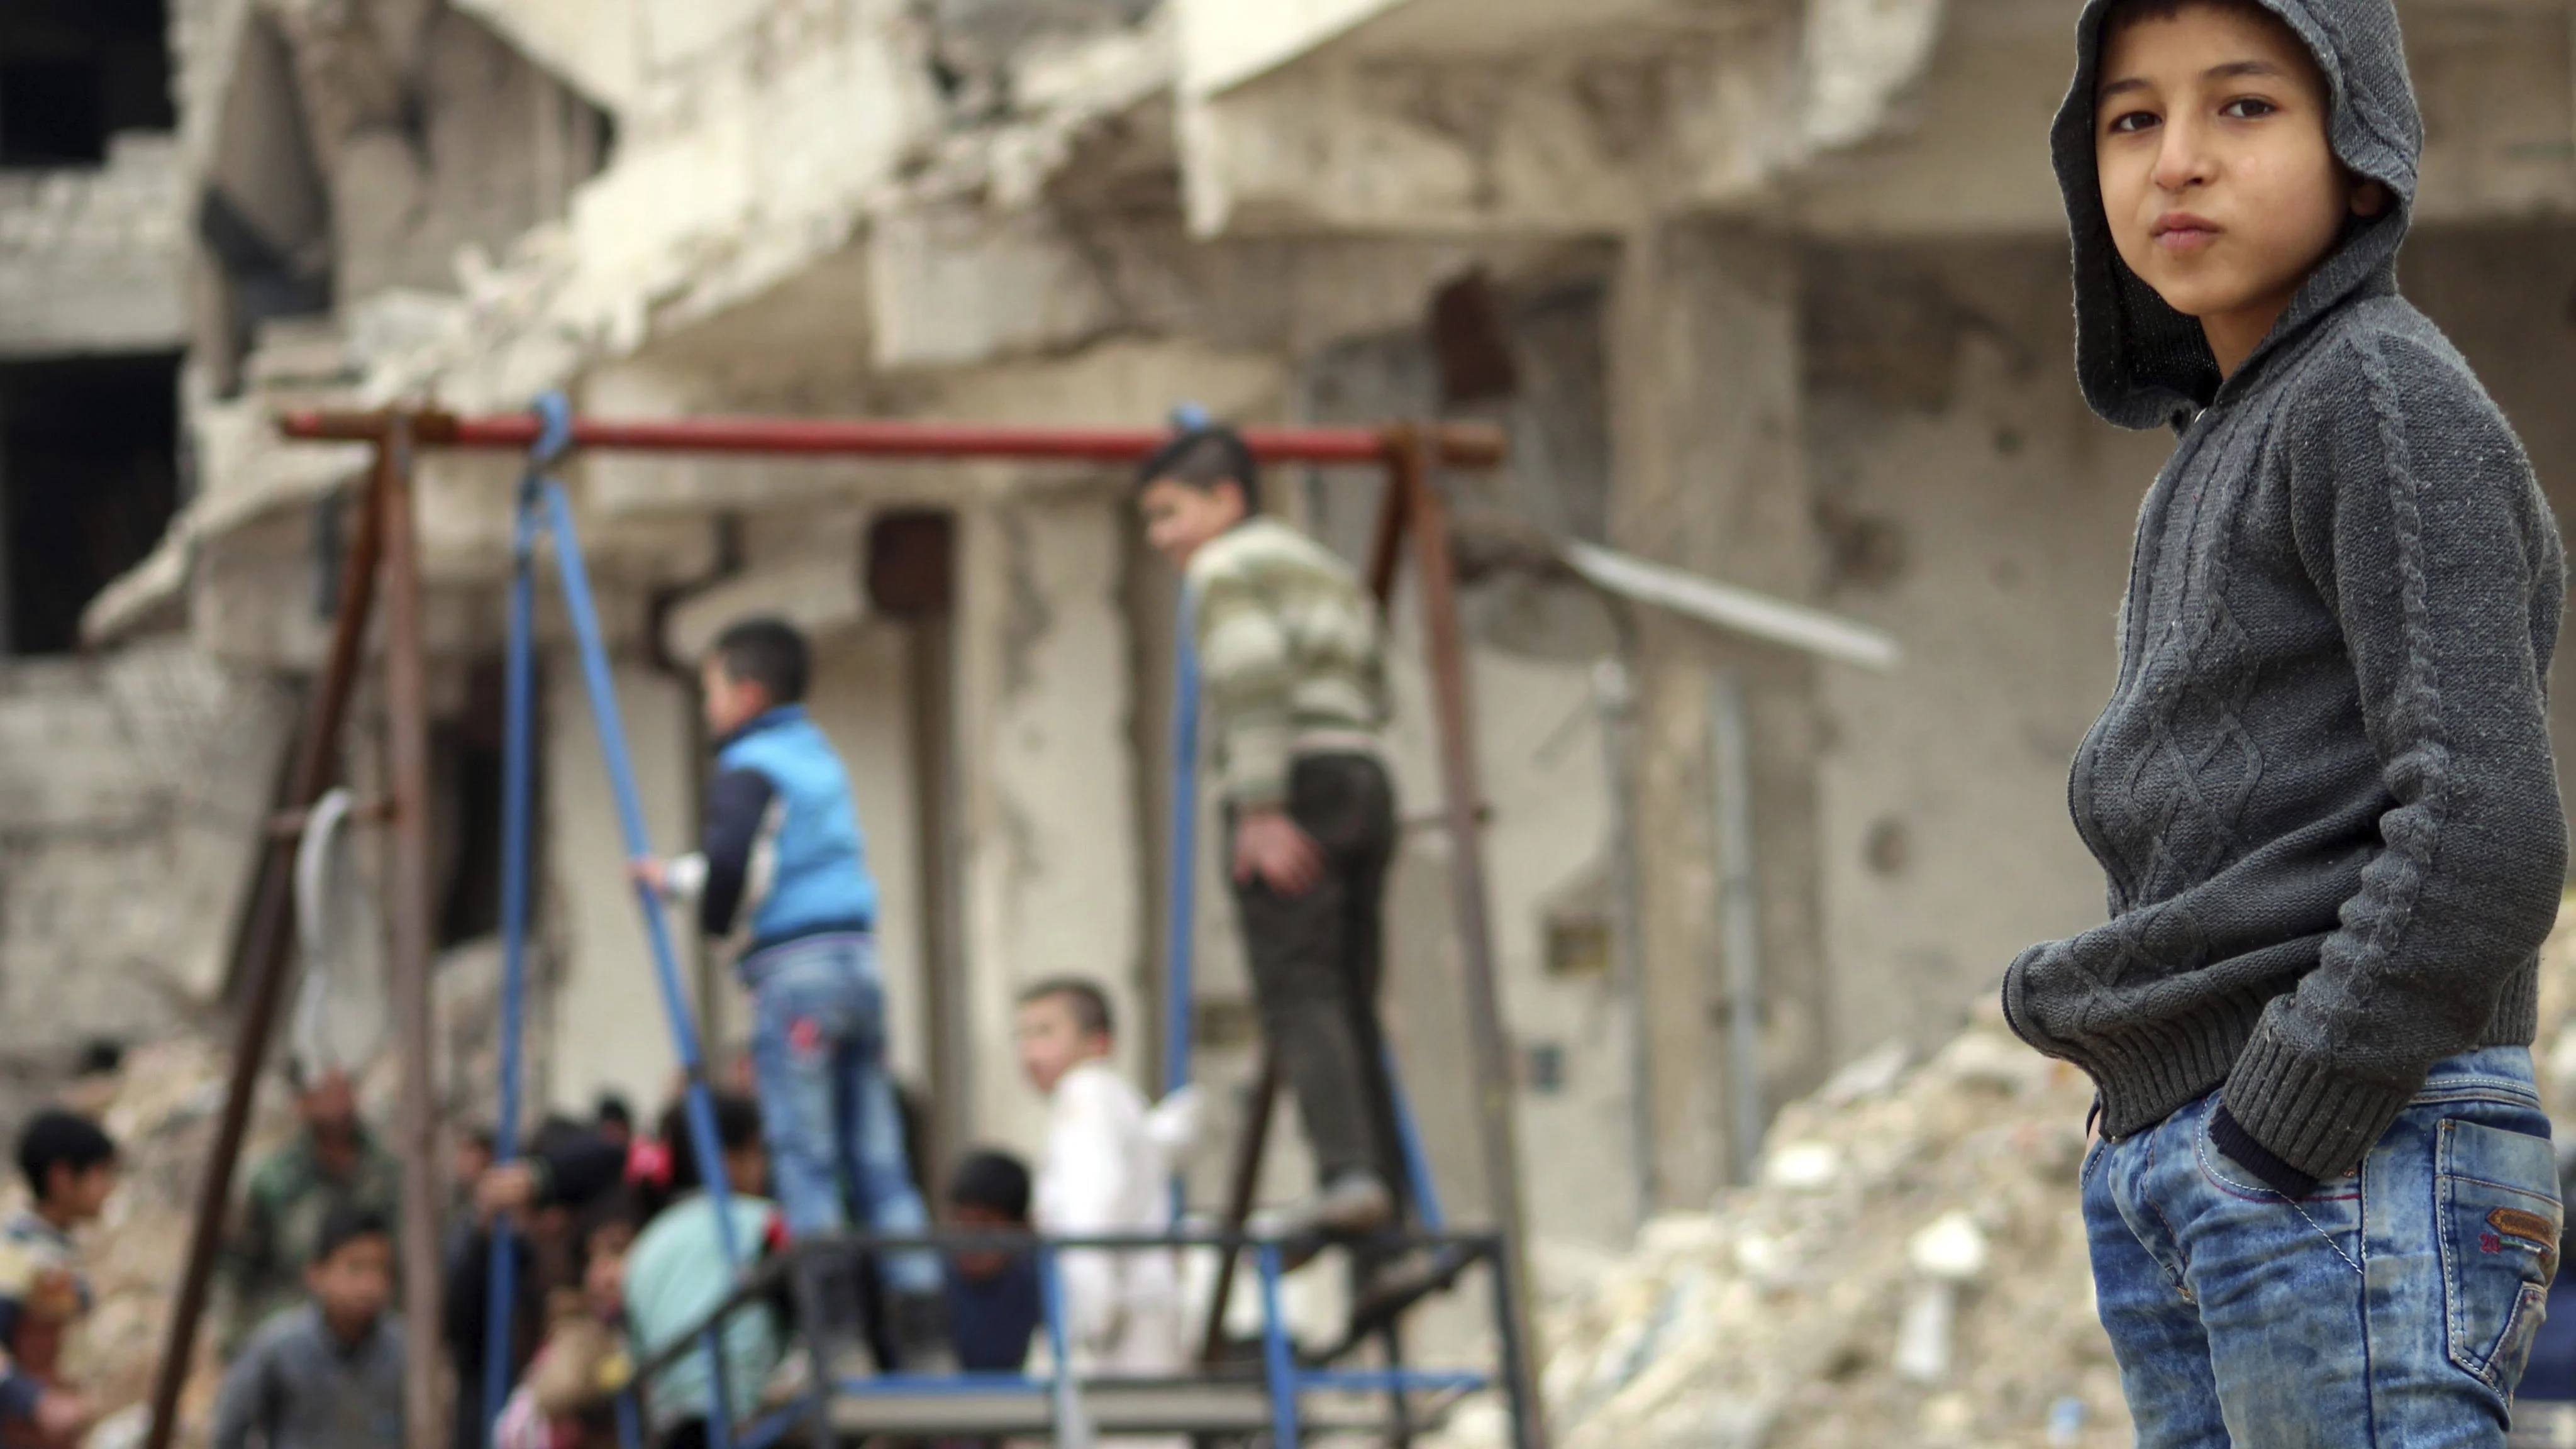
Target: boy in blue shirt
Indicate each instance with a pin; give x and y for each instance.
(781, 875)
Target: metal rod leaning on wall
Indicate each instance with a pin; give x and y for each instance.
(1614, 695)
(1730, 752)
(407, 752)
(260, 962)
(1427, 517)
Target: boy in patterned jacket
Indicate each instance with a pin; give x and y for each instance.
(1295, 696)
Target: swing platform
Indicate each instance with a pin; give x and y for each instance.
(1289, 1395)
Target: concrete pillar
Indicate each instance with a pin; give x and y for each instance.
(608, 1029)
(861, 696)
(1052, 859)
(1709, 475)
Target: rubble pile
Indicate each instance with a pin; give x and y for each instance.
(1909, 1269)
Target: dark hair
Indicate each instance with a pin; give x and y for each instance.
(56, 1138)
(768, 652)
(737, 1127)
(483, 1137)
(622, 1205)
(612, 1108)
(1088, 1003)
(1203, 458)
(347, 1224)
(995, 1181)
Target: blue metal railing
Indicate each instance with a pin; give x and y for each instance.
(1285, 1377)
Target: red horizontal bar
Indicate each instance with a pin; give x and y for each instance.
(1470, 445)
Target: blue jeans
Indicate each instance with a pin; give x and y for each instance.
(827, 1106)
(2393, 1307)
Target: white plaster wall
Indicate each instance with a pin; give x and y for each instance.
(1539, 752)
(862, 697)
(134, 792)
(608, 1023)
(1946, 843)
(1052, 873)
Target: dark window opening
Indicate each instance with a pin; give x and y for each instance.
(74, 73)
(89, 477)
(467, 758)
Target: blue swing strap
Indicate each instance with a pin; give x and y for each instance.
(545, 508)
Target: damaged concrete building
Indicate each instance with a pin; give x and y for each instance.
(1769, 290)
(128, 780)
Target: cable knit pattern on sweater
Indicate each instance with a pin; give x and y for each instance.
(2322, 791)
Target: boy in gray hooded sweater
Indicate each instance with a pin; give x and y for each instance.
(2324, 1208)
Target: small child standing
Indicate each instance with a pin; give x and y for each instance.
(1107, 1170)
(677, 1276)
(328, 1375)
(995, 1301)
(71, 1167)
(567, 1399)
(781, 871)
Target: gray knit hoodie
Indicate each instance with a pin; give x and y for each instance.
(2322, 790)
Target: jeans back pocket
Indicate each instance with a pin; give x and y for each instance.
(2497, 1194)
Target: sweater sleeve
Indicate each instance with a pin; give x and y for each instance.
(243, 1406)
(2416, 515)
(1247, 668)
(737, 808)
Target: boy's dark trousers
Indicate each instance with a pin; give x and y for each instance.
(1317, 959)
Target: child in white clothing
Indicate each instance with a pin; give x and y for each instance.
(1107, 1170)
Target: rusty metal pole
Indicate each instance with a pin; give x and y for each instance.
(1245, 1181)
(1426, 515)
(407, 751)
(260, 965)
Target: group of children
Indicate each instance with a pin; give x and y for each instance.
(622, 1255)
(2323, 794)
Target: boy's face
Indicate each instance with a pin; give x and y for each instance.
(747, 1170)
(603, 1277)
(2217, 178)
(80, 1194)
(1179, 519)
(354, 1284)
(730, 703)
(328, 1105)
(979, 1264)
(1051, 1043)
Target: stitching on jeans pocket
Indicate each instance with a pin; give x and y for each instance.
(2480, 1261)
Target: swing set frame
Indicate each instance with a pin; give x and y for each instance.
(381, 576)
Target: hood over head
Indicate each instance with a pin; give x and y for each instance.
(2141, 362)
